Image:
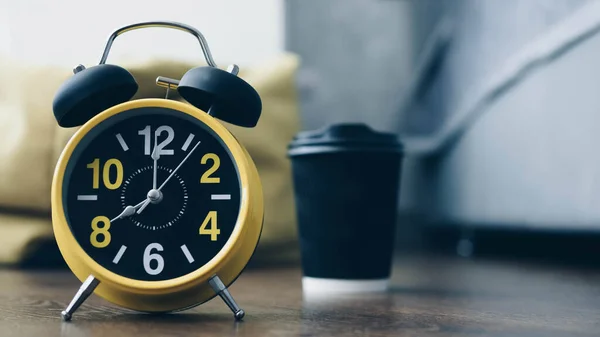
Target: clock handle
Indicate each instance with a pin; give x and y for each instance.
(163, 24)
(86, 289)
(218, 287)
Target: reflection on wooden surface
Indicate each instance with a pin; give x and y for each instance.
(430, 297)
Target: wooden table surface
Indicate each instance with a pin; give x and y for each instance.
(430, 297)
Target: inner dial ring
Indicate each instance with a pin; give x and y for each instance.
(144, 176)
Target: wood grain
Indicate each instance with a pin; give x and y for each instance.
(429, 297)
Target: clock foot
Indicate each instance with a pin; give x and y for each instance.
(86, 289)
(217, 285)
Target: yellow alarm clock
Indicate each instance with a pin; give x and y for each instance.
(156, 206)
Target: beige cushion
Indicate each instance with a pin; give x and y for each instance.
(31, 142)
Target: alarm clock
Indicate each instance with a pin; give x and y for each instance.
(156, 206)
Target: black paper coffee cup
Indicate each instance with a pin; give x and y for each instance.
(346, 185)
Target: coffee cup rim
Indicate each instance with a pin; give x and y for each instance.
(344, 137)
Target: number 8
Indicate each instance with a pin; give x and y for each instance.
(100, 230)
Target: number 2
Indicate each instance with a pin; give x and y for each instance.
(213, 231)
(206, 177)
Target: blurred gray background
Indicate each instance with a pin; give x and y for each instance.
(496, 101)
(357, 56)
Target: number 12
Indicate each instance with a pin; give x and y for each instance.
(159, 147)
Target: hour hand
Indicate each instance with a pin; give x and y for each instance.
(128, 211)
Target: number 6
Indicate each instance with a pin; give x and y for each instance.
(148, 256)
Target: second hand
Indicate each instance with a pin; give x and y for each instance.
(178, 166)
(148, 201)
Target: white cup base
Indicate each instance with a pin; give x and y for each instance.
(313, 285)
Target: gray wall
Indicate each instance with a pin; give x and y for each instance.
(358, 59)
(357, 56)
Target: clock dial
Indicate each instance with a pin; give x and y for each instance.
(148, 221)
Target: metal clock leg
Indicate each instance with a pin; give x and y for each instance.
(86, 289)
(217, 285)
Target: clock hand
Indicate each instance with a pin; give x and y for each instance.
(155, 193)
(154, 196)
(146, 203)
(178, 166)
(128, 211)
(155, 156)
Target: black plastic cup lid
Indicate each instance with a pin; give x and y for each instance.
(343, 138)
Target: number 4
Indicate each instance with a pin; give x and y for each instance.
(213, 231)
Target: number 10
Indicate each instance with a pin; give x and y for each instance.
(111, 185)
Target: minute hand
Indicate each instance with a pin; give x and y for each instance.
(178, 166)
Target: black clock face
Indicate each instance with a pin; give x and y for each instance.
(151, 194)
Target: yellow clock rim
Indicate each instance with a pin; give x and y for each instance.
(251, 207)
